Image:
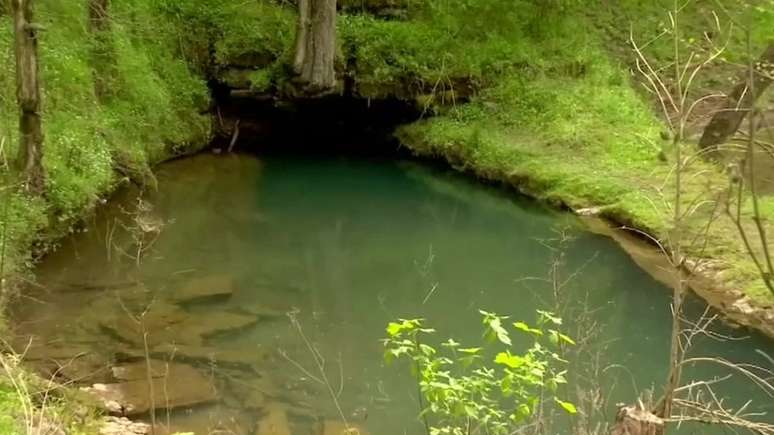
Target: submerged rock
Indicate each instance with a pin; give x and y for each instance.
(250, 392)
(335, 427)
(123, 426)
(88, 368)
(212, 420)
(153, 324)
(275, 422)
(210, 355)
(38, 350)
(73, 363)
(167, 324)
(218, 323)
(205, 288)
(135, 397)
(266, 311)
(158, 369)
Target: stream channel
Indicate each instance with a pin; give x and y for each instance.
(230, 243)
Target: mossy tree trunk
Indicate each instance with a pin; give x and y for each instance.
(99, 26)
(30, 158)
(315, 47)
(740, 102)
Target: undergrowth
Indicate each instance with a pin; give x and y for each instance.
(30, 405)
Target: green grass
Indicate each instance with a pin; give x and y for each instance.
(26, 408)
(151, 113)
(568, 126)
(8, 409)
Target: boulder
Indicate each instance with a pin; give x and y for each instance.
(205, 289)
(135, 398)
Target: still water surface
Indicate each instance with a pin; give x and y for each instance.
(348, 245)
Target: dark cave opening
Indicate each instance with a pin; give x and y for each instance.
(326, 125)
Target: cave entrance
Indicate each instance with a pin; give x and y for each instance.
(326, 125)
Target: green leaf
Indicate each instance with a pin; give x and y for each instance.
(427, 350)
(522, 412)
(506, 359)
(495, 327)
(547, 316)
(567, 406)
(393, 329)
(553, 337)
(450, 343)
(521, 326)
(470, 350)
(567, 339)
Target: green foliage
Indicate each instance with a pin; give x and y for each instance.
(8, 409)
(219, 33)
(153, 110)
(448, 43)
(465, 390)
(24, 409)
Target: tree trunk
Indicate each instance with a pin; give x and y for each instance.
(739, 102)
(631, 420)
(30, 158)
(316, 46)
(99, 26)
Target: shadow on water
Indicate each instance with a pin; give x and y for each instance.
(230, 243)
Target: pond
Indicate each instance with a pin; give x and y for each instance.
(200, 275)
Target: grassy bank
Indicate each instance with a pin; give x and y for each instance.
(585, 137)
(153, 110)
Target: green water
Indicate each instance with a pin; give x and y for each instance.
(350, 244)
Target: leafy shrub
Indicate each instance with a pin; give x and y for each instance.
(466, 391)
